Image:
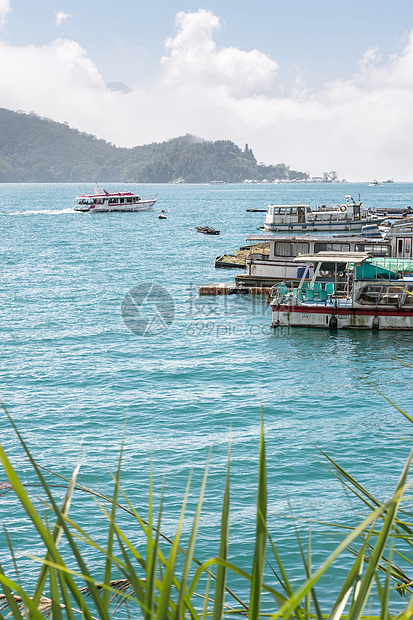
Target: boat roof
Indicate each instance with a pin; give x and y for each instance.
(104, 193)
(333, 257)
(306, 237)
(295, 205)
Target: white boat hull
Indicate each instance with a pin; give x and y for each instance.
(144, 205)
(345, 318)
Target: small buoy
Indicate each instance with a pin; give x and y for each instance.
(375, 323)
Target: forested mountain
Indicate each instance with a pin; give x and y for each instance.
(34, 149)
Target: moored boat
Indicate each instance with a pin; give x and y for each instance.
(300, 217)
(359, 293)
(277, 263)
(105, 202)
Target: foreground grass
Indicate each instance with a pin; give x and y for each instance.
(151, 583)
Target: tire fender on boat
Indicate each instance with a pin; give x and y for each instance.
(375, 324)
(333, 322)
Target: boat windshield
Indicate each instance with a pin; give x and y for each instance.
(385, 294)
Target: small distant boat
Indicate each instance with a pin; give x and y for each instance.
(162, 215)
(374, 182)
(105, 202)
(207, 230)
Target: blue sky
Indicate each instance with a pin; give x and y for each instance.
(320, 85)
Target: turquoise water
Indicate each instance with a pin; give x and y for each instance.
(72, 371)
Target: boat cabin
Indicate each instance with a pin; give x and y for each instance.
(348, 216)
(263, 269)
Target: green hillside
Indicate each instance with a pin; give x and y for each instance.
(34, 149)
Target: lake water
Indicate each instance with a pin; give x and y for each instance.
(72, 371)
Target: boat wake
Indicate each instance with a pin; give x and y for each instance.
(43, 211)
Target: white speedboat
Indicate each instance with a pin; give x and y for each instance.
(104, 202)
(357, 292)
(349, 216)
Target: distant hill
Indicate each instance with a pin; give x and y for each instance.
(35, 149)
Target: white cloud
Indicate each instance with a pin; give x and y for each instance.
(193, 57)
(61, 17)
(4, 11)
(360, 126)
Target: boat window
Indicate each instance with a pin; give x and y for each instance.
(409, 296)
(294, 211)
(301, 248)
(284, 249)
(400, 246)
(377, 294)
(282, 210)
(331, 247)
(122, 200)
(308, 209)
(375, 249)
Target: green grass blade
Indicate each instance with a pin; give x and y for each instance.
(11, 586)
(311, 595)
(57, 533)
(153, 553)
(165, 590)
(36, 520)
(14, 608)
(372, 567)
(54, 595)
(383, 395)
(313, 592)
(285, 582)
(261, 532)
(220, 583)
(108, 564)
(206, 599)
(66, 600)
(191, 546)
(151, 558)
(349, 585)
(291, 604)
(137, 584)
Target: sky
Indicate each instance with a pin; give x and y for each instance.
(319, 86)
